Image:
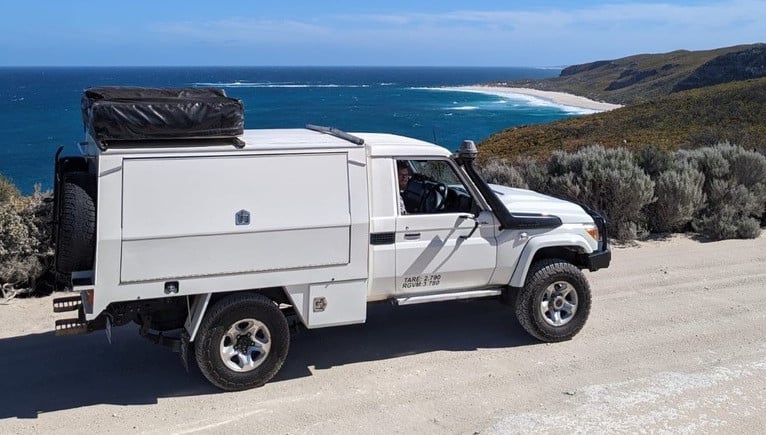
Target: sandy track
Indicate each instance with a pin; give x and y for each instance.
(676, 342)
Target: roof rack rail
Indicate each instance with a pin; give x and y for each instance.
(175, 142)
(356, 140)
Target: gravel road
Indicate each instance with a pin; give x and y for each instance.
(676, 343)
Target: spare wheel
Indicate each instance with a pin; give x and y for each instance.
(76, 238)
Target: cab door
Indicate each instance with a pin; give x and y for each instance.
(450, 245)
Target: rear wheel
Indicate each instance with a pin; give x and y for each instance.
(243, 342)
(76, 238)
(555, 301)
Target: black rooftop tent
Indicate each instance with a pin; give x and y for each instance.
(113, 114)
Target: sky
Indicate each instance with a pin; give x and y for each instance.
(381, 33)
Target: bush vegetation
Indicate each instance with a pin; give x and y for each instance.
(678, 190)
(500, 172)
(718, 191)
(608, 180)
(7, 190)
(735, 185)
(25, 238)
(680, 197)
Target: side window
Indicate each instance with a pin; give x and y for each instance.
(431, 186)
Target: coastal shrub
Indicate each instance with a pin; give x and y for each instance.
(534, 173)
(608, 180)
(749, 228)
(654, 160)
(724, 217)
(7, 190)
(503, 173)
(735, 186)
(25, 239)
(680, 196)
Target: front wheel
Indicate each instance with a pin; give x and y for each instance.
(243, 342)
(555, 301)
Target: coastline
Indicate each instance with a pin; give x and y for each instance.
(557, 98)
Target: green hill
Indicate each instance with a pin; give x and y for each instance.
(644, 77)
(734, 111)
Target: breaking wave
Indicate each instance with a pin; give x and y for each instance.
(517, 100)
(240, 84)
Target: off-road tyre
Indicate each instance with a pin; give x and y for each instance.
(76, 238)
(213, 332)
(542, 277)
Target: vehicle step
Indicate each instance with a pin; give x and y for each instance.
(439, 297)
(73, 326)
(69, 303)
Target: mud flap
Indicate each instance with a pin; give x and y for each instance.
(183, 351)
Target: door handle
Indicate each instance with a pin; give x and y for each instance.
(412, 236)
(475, 225)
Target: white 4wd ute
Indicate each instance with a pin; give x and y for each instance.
(213, 238)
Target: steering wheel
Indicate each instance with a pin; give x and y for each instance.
(434, 198)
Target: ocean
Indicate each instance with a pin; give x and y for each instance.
(40, 107)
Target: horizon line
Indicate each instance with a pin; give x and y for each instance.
(287, 66)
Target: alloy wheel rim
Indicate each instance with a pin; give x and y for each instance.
(559, 303)
(245, 345)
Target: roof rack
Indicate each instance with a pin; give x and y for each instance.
(356, 140)
(179, 142)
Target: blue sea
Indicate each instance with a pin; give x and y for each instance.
(40, 107)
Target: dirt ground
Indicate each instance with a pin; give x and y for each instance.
(675, 343)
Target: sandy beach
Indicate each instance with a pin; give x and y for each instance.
(675, 342)
(557, 98)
